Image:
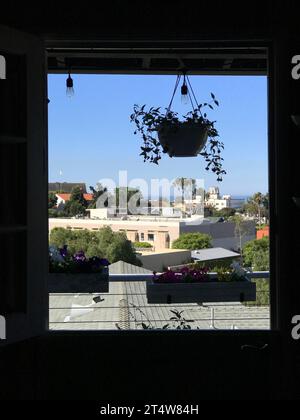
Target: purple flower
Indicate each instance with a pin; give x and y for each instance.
(64, 251)
(185, 275)
(98, 263)
(80, 257)
(104, 262)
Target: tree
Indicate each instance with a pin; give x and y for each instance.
(184, 184)
(78, 196)
(121, 249)
(256, 254)
(74, 208)
(242, 228)
(258, 206)
(52, 200)
(193, 241)
(97, 193)
(104, 244)
(77, 204)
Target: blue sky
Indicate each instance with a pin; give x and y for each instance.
(91, 137)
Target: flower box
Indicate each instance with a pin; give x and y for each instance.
(79, 282)
(213, 291)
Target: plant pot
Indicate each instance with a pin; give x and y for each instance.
(79, 282)
(209, 292)
(185, 140)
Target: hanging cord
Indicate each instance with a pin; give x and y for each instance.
(191, 100)
(190, 86)
(192, 97)
(175, 89)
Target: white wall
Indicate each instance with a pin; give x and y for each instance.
(157, 262)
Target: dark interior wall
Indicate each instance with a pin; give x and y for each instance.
(125, 365)
(119, 19)
(141, 367)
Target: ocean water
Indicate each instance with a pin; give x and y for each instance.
(238, 201)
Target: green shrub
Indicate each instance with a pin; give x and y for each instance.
(262, 293)
(256, 254)
(193, 241)
(104, 244)
(142, 245)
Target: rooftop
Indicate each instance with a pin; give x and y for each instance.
(213, 254)
(121, 267)
(66, 197)
(125, 307)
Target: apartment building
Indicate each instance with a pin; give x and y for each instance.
(161, 232)
(215, 200)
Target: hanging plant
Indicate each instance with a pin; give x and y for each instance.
(194, 134)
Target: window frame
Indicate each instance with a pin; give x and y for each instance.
(276, 326)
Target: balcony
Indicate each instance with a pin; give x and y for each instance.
(125, 307)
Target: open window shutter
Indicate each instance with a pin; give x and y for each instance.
(23, 181)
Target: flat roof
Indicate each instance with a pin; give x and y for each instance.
(213, 254)
(145, 252)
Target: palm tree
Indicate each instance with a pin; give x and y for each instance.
(184, 183)
(259, 202)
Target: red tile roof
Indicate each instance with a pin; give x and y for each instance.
(66, 197)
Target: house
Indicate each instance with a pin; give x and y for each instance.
(62, 199)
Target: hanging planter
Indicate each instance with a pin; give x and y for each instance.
(184, 140)
(194, 134)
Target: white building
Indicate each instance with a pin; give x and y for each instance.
(215, 200)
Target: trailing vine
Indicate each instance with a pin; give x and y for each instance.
(149, 122)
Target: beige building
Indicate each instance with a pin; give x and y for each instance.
(162, 232)
(159, 232)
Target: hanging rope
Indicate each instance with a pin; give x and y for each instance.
(192, 97)
(190, 86)
(175, 89)
(191, 100)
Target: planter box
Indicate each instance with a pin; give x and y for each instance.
(200, 292)
(79, 283)
(187, 140)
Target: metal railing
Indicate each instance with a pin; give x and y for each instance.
(125, 307)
